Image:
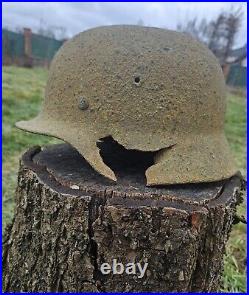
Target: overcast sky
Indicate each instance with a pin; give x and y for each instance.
(76, 17)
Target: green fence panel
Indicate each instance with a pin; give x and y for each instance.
(237, 76)
(12, 44)
(44, 47)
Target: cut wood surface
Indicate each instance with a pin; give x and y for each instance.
(69, 220)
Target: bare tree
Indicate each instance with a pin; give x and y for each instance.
(18, 29)
(233, 23)
(215, 34)
(218, 34)
(193, 28)
(140, 22)
(56, 32)
(60, 32)
(44, 30)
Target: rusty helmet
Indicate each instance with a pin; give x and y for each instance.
(151, 90)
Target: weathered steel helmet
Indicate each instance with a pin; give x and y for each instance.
(151, 90)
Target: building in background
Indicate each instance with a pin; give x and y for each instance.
(239, 56)
(28, 49)
(235, 69)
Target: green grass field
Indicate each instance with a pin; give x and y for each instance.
(22, 96)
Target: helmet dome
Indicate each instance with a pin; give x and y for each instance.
(151, 90)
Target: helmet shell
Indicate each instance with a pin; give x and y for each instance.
(150, 89)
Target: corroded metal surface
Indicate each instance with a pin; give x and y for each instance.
(151, 90)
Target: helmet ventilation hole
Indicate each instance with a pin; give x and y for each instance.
(137, 80)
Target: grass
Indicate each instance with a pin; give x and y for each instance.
(234, 278)
(23, 90)
(235, 129)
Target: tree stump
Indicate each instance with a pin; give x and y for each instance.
(69, 220)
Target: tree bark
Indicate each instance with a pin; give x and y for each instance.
(69, 220)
